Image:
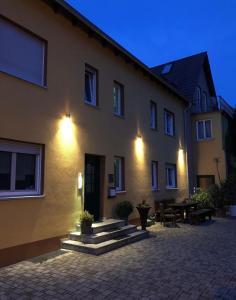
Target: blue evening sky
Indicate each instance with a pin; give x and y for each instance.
(157, 31)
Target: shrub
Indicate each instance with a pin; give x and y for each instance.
(124, 209)
(85, 216)
(229, 190)
(203, 199)
(216, 195)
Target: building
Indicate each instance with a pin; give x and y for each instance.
(79, 115)
(206, 121)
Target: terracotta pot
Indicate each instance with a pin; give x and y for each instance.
(86, 227)
(143, 213)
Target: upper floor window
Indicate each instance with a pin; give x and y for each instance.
(118, 99)
(90, 96)
(22, 54)
(154, 173)
(204, 130)
(166, 69)
(119, 173)
(171, 176)
(20, 169)
(169, 123)
(153, 115)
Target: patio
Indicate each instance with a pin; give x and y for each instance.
(188, 262)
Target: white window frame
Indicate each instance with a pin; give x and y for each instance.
(171, 168)
(153, 115)
(120, 185)
(92, 85)
(24, 148)
(172, 130)
(17, 73)
(118, 95)
(204, 130)
(154, 175)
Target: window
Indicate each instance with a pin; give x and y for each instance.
(119, 173)
(171, 179)
(90, 85)
(153, 115)
(20, 169)
(154, 173)
(22, 54)
(169, 123)
(118, 99)
(204, 130)
(166, 69)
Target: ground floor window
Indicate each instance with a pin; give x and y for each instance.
(119, 173)
(171, 176)
(154, 173)
(20, 169)
(205, 181)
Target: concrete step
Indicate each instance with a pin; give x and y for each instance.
(103, 236)
(105, 225)
(97, 249)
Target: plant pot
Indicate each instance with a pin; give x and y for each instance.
(86, 227)
(143, 213)
(232, 210)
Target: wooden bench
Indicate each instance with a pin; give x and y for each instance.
(200, 215)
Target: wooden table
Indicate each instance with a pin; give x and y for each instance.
(184, 207)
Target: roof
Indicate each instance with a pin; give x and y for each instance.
(77, 19)
(184, 73)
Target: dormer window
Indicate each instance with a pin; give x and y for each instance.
(166, 69)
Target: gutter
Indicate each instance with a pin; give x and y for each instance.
(77, 19)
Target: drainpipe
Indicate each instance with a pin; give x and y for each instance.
(187, 127)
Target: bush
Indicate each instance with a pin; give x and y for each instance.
(85, 216)
(229, 190)
(124, 209)
(216, 195)
(203, 199)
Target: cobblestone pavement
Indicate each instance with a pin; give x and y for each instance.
(189, 262)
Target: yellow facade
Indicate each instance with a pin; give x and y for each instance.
(34, 114)
(209, 155)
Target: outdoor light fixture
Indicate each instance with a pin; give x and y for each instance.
(80, 181)
(66, 128)
(139, 151)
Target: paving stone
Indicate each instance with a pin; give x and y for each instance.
(188, 262)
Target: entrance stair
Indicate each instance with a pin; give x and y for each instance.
(107, 235)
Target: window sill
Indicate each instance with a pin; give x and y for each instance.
(43, 86)
(153, 129)
(120, 192)
(119, 116)
(172, 188)
(155, 190)
(91, 104)
(21, 197)
(170, 135)
(205, 140)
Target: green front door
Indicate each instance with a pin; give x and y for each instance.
(92, 185)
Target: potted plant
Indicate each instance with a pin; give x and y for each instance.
(143, 209)
(86, 220)
(123, 210)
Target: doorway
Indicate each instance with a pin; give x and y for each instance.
(92, 185)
